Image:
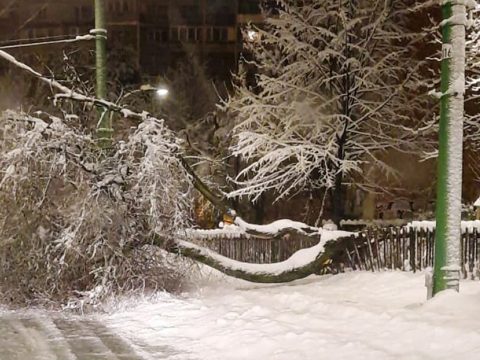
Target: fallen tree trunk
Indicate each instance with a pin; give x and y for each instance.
(201, 256)
(305, 262)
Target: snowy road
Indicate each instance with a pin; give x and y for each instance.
(50, 337)
(351, 316)
(357, 316)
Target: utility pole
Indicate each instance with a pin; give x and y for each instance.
(449, 186)
(104, 126)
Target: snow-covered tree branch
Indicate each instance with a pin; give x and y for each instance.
(472, 93)
(335, 84)
(74, 219)
(62, 92)
(305, 262)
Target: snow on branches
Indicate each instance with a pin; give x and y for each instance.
(75, 218)
(472, 92)
(324, 89)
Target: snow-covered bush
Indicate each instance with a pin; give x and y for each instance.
(74, 218)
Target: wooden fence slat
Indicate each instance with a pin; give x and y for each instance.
(411, 244)
(428, 244)
(390, 247)
(369, 247)
(471, 256)
(464, 253)
(350, 260)
(377, 249)
(427, 249)
(386, 253)
(357, 253)
(398, 249)
(477, 253)
(421, 248)
(433, 250)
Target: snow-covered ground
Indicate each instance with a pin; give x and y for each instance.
(348, 316)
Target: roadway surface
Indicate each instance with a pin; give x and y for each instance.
(58, 337)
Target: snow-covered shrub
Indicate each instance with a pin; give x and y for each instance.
(75, 219)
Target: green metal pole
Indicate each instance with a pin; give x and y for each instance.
(446, 273)
(104, 126)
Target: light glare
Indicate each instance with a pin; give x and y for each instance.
(252, 35)
(162, 92)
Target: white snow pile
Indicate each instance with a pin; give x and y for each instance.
(241, 229)
(274, 227)
(348, 316)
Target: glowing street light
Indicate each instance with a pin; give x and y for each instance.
(162, 92)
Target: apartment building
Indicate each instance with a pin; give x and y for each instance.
(156, 32)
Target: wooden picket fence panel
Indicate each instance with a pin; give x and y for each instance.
(373, 249)
(406, 249)
(257, 250)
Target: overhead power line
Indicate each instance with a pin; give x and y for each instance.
(42, 38)
(41, 43)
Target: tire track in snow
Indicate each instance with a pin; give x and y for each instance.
(20, 341)
(89, 343)
(55, 337)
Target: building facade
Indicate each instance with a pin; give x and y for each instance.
(155, 32)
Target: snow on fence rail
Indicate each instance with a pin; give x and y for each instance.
(466, 225)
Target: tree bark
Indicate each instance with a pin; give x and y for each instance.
(338, 200)
(215, 199)
(338, 193)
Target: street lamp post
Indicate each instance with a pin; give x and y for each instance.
(449, 184)
(104, 126)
